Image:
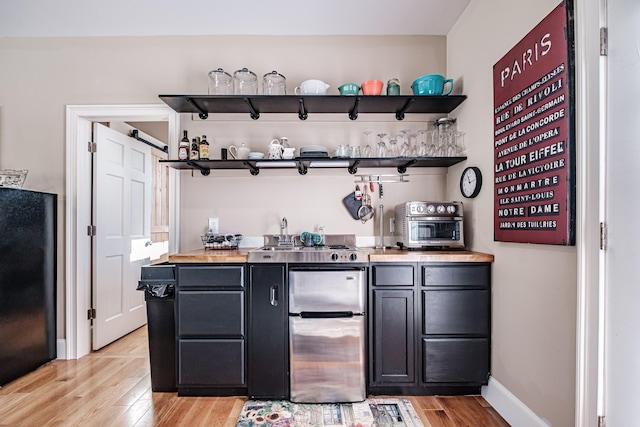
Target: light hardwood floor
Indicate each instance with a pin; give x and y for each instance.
(112, 387)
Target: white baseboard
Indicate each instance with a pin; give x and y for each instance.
(510, 407)
(61, 346)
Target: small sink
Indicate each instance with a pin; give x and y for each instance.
(280, 248)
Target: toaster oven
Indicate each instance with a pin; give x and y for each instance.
(429, 225)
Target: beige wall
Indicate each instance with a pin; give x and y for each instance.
(39, 77)
(534, 286)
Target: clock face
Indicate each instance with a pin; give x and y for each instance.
(471, 182)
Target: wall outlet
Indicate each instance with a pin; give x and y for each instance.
(214, 225)
(392, 225)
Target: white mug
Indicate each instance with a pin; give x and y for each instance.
(241, 152)
(287, 152)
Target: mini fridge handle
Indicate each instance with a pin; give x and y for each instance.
(326, 315)
(273, 295)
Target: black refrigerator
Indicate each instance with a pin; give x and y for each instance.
(27, 281)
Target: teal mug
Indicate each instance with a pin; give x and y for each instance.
(349, 89)
(432, 84)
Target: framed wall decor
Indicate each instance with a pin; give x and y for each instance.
(534, 135)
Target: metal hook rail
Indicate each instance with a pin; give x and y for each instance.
(381, 179)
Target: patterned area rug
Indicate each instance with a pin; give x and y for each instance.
(370, 413)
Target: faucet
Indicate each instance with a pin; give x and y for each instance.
(284, 232)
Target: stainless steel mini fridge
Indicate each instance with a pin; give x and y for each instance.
(327, 334)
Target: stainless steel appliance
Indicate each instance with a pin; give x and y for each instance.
(327, 300)
(327, 334)
(423, 225)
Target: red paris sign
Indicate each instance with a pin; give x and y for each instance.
(534, 136)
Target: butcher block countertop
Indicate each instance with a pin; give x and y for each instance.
(203, 256)
(200, 256)
(398, 255)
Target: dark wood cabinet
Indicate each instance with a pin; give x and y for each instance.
(455, 324)
(268, 339)
(429, 328)
(393, 342)
(392, 336)
(211, 330)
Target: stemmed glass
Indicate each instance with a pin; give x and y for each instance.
(423, 150)
(382, 148)
(366, 150)
(405, 149)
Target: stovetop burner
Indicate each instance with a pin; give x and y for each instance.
(304, 254)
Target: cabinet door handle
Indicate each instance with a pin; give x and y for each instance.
(273, 296)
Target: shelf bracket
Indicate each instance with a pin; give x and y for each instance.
(353, 168)
(255, 115)
(405, 107)
(204, 171)
(302, 113)
(201, 112)
(353, 114)
(403, 168)
(252, 168)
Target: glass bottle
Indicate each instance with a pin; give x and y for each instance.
(204, 148)
(195, 152)
(183, 148)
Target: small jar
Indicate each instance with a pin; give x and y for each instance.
(393, 87)
(220, 82)
(245, 82)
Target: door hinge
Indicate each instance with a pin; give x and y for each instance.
(91, 314)
(600, 420)
(91, 230)
(603, 236)
(603, 41)
(92, 147)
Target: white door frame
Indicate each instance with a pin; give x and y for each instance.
(589, 105)
(78, 208)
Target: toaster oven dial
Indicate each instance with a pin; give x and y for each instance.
(420, 208)
(335, 256)
(441, 209)
(431, 209)
(353, 257)
(451, 209)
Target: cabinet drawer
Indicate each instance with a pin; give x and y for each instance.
(464, 360)
(393, 275)
(472, 274)
(231, 276)
(456, 312)
(211, 362)
(211, 313)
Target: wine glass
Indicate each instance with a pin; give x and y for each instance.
(382, 147)
(366, 150)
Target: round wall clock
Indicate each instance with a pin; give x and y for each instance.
(471, 182)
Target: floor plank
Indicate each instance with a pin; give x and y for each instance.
(112, 387)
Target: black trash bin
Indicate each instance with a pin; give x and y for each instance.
(158, 283)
